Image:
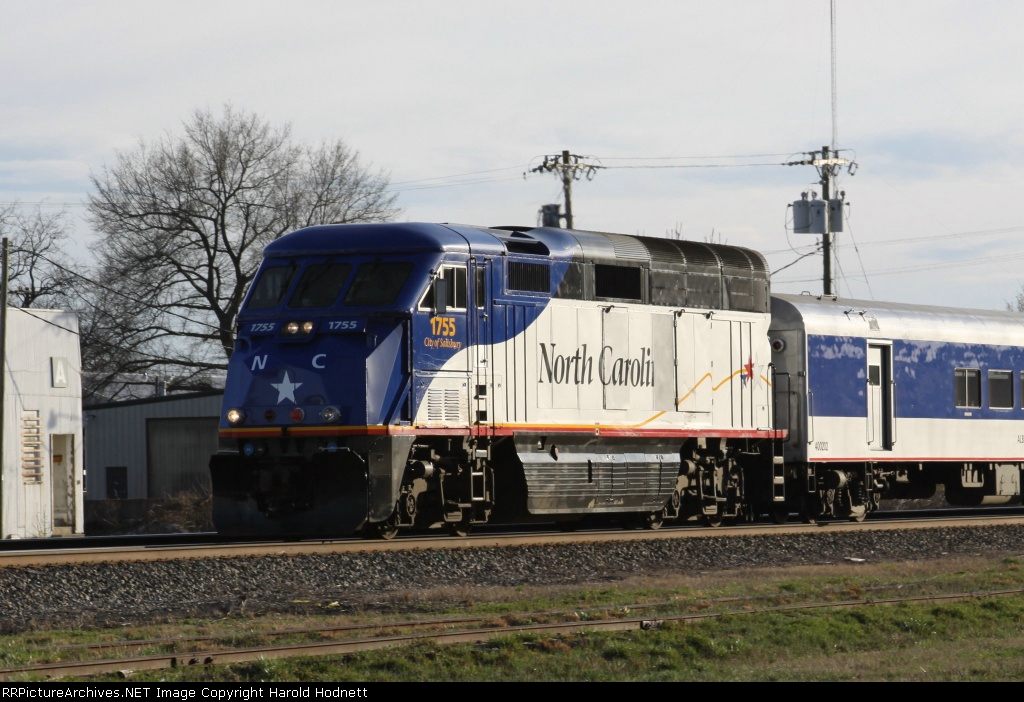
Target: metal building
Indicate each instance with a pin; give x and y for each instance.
(151, 449)
(42, 488)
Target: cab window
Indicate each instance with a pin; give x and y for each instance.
(319, 285)
(270, 288)
(377, 284)
(455, 289)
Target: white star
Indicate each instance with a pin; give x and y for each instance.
(285, 389)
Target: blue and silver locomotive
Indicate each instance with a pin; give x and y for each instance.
(416, 376)
(392, 376)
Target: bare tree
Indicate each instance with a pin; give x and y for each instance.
(183, 221)
(1018, 303)
(677, 233)
(40, 272)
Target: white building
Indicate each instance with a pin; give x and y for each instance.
(153, 448)
(41, 492)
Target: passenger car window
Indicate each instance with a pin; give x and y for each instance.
(1000, 389)
(968, 387)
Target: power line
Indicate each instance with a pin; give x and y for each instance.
(128, 297)
(932, 237)
(859, 260)
(937, 237)
(928, 267)
(462, 175)
(680, 158)
(28, 311)
(800, 258)
(42, 203)
(480, 181)
(702, 165)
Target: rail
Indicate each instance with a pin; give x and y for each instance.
(85, 668)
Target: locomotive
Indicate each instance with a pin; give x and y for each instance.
(414, 376)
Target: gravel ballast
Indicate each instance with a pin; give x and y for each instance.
(100, 594)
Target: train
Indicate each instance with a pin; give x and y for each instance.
(408, 377)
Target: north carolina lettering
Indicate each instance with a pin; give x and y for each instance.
(578, 368)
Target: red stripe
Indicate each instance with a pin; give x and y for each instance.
(486, 430)
(918, 459)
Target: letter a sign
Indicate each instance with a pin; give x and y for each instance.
(58, 372)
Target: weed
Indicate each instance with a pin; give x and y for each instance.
(977, 639)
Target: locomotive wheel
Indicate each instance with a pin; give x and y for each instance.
(459, 528)
(713, 520)
(780, 514)
(387, 530)
(809, 511)
(654, 520)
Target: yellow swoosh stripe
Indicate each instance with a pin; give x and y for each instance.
(714, 388)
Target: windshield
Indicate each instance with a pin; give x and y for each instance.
(270, 287)
(377, 284)
(319, 285)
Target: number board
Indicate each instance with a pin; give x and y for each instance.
(342, 326)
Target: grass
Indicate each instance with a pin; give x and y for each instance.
(977, 639)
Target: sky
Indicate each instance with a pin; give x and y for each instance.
(689, 108)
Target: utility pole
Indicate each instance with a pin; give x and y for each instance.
(825, 169)
(567, 188)
(568, 167)
(828, 165)
(4, 257)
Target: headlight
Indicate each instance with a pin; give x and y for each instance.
(235, 416)
(330, 414)
(294, 328)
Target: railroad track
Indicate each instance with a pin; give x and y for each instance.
(454, 631)
(204, 546)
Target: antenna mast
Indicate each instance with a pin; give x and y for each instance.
(825, 216)
(835, 100)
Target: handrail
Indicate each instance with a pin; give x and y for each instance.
(810, 416)
(892, 401)
(869, 425)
